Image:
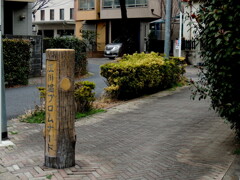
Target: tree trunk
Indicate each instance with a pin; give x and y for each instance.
(123, 9)
(125, 36)
(60, 109)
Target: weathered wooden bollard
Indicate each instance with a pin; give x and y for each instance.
(59, 132)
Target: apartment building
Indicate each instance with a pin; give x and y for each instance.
(55, 20)
(104, 17)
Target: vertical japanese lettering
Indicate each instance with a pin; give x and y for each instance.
(51, 107)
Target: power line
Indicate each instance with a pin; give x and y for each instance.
(56, 5)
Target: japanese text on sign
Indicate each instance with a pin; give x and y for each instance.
(51, 105)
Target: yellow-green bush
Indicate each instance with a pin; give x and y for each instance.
(139, 74)
(84, 96)
(83, 93)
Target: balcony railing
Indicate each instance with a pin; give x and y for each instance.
(189, 44)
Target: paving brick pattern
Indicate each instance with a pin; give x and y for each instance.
(165, 136)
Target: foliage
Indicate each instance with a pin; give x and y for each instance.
(16, 55)
(237, 152)
(42, 91)
(35, 117)
(49, 176)
(84, 95)
(38, 116)
(89, 37)
(70, 43)
(140, 74)
(88, 113)
(218, 29)
(13, 132)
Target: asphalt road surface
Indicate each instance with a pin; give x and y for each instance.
(21, 99)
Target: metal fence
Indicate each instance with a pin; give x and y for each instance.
(189, 44)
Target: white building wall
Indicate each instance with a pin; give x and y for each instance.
(56, 5)
(189, 31)
(57, 23)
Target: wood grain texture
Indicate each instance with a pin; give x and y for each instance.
(60, 110)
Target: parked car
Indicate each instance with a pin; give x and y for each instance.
(113, 50)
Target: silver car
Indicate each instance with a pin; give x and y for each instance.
(113, 50)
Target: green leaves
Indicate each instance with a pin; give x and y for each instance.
(140, 74)
(70, 43)
(220, 40)
(16, 56)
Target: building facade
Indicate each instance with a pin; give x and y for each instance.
(17, 17)
(192, 48)
(55, 20)
(16, 20)
(104, 18)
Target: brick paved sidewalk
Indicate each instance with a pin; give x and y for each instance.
(163, 136)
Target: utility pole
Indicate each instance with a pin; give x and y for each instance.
(167, 28)
(180, 35)
(180, 27)
(3, 119)
(0, 71)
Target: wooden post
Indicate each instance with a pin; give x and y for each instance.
(59, 132)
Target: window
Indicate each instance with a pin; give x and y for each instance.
(42, 15)
(86, 4)
(129, 3)
(111, 4)
(141, 3)
(71, 13)
(136, 3)
(61, 14)
(51, 14)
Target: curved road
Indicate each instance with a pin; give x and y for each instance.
(21, 99)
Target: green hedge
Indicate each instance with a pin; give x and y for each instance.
(140, 74)
(218, 32)
(70, 43)
(16, 56)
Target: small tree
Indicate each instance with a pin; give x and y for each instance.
(218, 29)
(89, 37)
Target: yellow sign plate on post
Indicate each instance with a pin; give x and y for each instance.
(51, 108)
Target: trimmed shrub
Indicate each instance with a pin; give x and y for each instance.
(140, 74)
(16, 56)
(84, 95)
(70, 43)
